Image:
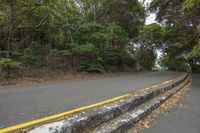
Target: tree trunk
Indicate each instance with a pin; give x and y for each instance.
(10, 28)
(9, 40)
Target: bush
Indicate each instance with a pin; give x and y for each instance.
(146, 58)
(35, 54)
(195, 51)
(127, 59)
(116, 36)
(6, 65)
(174, 63)
(90, 33)
(116, 60)
(92, 67)
(60, 54)
(111, 57)
(83, 49)
(30, 60)
(2, 18)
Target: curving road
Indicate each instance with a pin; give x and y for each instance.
(184, 118)
(20, 104)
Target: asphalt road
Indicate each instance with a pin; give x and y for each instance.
(20, 104)
(184, 118)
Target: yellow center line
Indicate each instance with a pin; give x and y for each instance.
(56, 116)
(168, 81)
(154, 86)
(23, 125)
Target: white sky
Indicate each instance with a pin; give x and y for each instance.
(151, 18)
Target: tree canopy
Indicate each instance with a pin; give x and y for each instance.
(97, 35)
(181, 23)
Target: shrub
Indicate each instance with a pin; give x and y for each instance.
(6, 65)
(30, 60)
(2, 18)
(83, 49)
(60, 54)
(146, 58)
(35, 54)
(127, 59)
(90, 33)
(110, 56)
(195, 51)
(116, 36)
(117, 59)
(92, 67)
(174, 63)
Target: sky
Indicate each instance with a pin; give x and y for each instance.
(151, 18)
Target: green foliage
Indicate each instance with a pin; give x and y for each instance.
(181, 31)
(111, 57)
(116, 36)
(148, 41)
(174, 63)
(6, 65)
(35, 54)
(83, 49)
(129, 15)
(188, 4)
(117, 60)
(146, 58)
(61, 54)
(72, 32)
(195, 51)
(92, 67)
(90, 33)
(2, 17)
(151, 35)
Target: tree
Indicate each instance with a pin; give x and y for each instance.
(78, 34)
(181, 26)
(151, 36)
(149, 40)
(146, 58)
(127, 14)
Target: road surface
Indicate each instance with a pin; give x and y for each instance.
(20, 104)
(182, 119)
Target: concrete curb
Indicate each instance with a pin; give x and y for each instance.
(91, 118)
(122, 123)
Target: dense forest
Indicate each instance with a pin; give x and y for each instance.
(98, 35)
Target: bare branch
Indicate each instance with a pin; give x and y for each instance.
(36, 26)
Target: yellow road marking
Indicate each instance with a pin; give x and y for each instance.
(145, 89)
(37, 121)
(168, 81)
(155, 86)
(23, 125)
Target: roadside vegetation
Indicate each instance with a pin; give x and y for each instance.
(97, 36)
